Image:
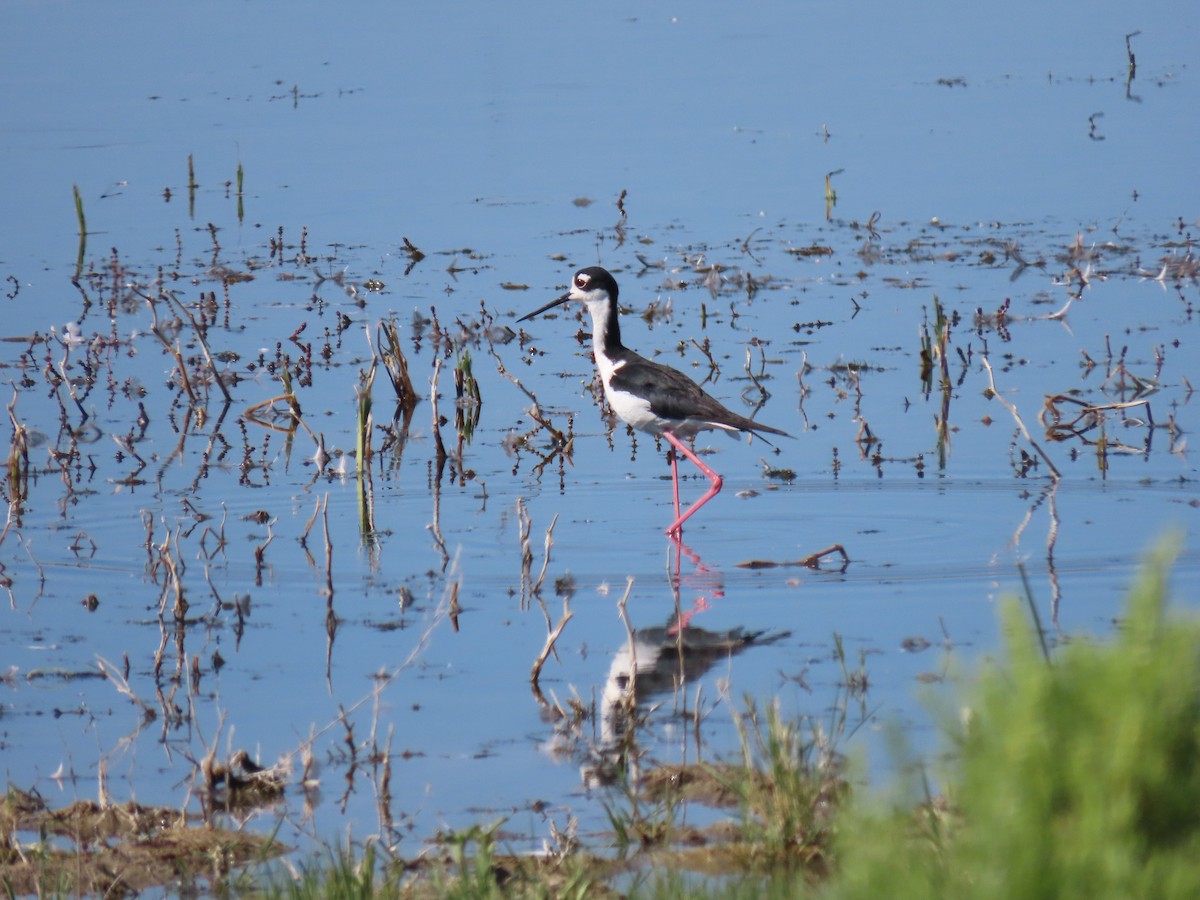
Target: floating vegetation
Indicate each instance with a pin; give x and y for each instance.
(811, 250)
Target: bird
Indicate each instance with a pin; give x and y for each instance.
(649, 396)
(657, 660)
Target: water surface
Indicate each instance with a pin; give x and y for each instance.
(978, 157)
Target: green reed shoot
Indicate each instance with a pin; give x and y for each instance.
(362, 457)
(933, 347)
(79, 211)
(469, 400)
(191, 187)
(366, 381)
(787, 783)
(241, 211)
(82, 232)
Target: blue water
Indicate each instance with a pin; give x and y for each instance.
(498, 140)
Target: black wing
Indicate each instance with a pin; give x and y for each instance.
(672, 395)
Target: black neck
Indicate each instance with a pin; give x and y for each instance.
(608, 331)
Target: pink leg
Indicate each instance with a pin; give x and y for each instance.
(675, 480)
(715, 483)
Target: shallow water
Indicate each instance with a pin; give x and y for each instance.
(978, 159)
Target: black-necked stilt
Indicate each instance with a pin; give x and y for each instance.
(649, 396)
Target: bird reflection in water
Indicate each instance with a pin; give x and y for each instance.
(663, 660)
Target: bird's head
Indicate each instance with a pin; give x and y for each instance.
(591, 286)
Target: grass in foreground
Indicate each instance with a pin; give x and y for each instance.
(1078, 776)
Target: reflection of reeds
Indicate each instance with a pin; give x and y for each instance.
(82, 232)
(563, 443)
(362, 394)
(442, 456)
(18, 458)
(830, 194)
(414, 255)
(396, 366)
(992, 393)
(468, 399)
(1094, 418)
(362, 461)
(79, 211)
(167, 560)
(266, 415)
(165, 335)
(191, 188)
(553, 632)
(259, 411)
(524, 527)
(933, 347)
(934, 350)
(854, 680)
(241, 210)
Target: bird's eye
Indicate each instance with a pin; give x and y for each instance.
(581, 281)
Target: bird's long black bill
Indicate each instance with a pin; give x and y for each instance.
(553, 303)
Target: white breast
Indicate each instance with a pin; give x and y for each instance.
(631, 408)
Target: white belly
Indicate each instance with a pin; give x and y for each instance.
(634, 410)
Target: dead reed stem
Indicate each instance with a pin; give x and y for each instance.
(433, 399)
(1020, 424)
(551, 640)
(549, 542)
